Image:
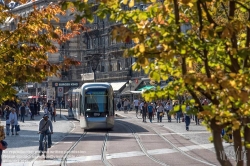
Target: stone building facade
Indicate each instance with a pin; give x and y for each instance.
(112, 67)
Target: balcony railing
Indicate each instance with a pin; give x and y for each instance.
(112, 75)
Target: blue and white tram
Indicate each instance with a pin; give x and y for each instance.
(93, 105)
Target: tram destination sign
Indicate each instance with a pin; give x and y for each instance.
(65, 84)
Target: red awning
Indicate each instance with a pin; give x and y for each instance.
(33, 97)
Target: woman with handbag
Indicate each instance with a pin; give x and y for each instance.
(13, 121)
(160, 112)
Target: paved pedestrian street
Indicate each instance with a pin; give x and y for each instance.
(23, 148)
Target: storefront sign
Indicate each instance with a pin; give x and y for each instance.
(65, 84)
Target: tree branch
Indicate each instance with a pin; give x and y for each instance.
(208, 96)
(223, 6)
(234, 61)
(209, 17)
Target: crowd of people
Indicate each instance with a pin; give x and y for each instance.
(13, 113)
(159, 109)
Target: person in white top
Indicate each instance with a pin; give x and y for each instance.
(45, 109)
(13, 121)
(160, 111)
(136, 104)
(141, 105)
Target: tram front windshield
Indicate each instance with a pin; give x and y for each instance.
(96, 101)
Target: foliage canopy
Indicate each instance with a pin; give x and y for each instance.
(203, 45)
(24, 49)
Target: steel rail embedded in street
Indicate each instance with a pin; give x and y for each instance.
(141, 145)
(64, 158)
(104, 149)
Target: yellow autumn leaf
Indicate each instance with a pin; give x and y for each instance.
(142, 48)
(131, 3)
(125, 2)
(136, 40)
(233, 83)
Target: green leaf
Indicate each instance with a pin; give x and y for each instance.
(143, 16)
(243, 35)
(65, 5)
(183, 51)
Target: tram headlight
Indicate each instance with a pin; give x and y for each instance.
(106, 115)
(87, 116)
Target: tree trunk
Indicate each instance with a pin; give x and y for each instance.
(247, 141)
(238, 148)
(219, 149)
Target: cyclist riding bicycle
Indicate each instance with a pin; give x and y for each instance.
(45, 127)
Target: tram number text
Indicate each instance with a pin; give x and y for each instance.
(96, 114)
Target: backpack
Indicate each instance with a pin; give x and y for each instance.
(3, 145)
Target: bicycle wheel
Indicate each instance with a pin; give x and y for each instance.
(45, 149)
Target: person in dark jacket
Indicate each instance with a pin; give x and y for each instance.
(35, 108)
(38, 107)
(144, 112)
(32, 109)
(22, 111)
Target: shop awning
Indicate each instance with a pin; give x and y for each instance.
(117, 86)
(147, 87)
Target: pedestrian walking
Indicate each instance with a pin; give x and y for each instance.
(13, 121)
(63, 103)
(168, 108)
(144, 112)
(126, 103)
(187, 117)
(35, 108)
(22, 112)
(160, 112)
(178, 114)
(119, 106)
(7, 124)
(136, 104)
(38, 107)
(53, 112)
(141, 105)
(32, 110)
(150, 111)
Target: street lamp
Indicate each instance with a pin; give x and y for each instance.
(94, 64)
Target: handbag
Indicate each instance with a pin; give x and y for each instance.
(17, 127)
(3, 145)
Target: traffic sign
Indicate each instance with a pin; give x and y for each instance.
(50, 94)
(59, 91)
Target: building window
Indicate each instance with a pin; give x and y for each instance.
(110, 67)
(118, 66)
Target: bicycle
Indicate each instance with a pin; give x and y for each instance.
(45, 145)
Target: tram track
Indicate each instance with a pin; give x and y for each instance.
(65, 156)
(104, 150)
(143, 149)
(178, 149)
